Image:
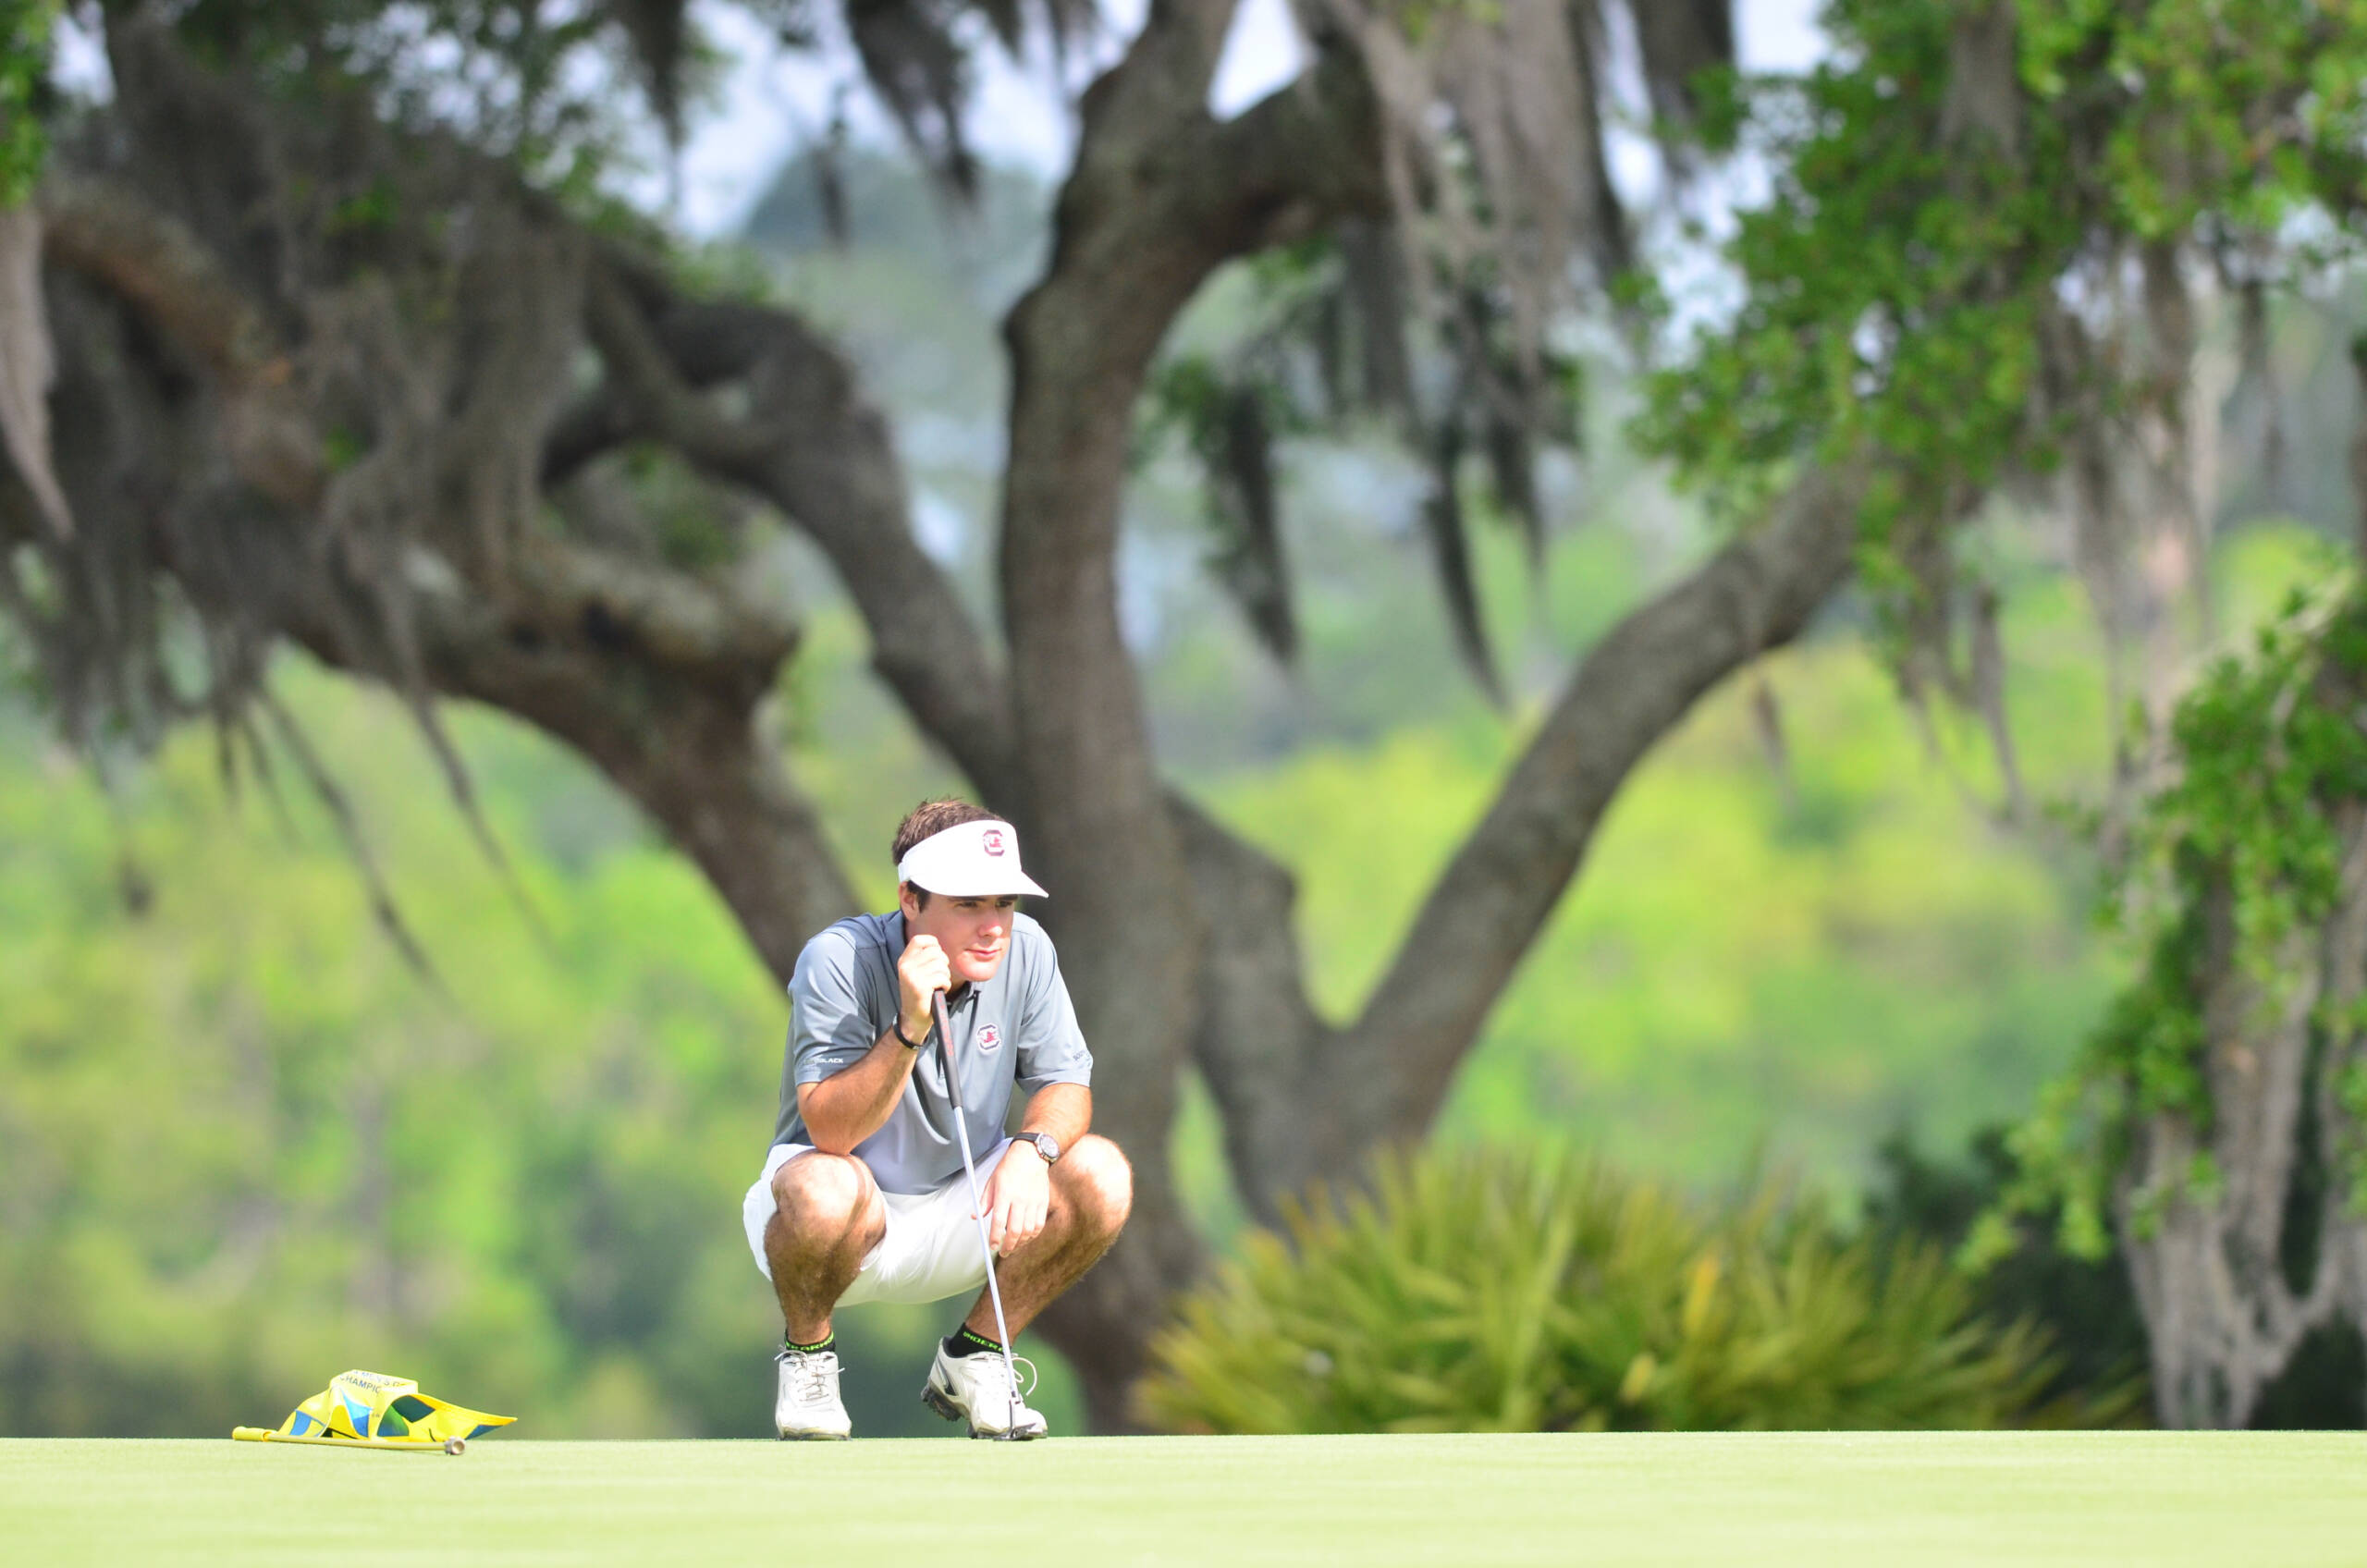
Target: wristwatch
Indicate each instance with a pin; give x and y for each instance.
(1046, 1145)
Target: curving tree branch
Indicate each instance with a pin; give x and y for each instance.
(816, 448)
(1303, 1099)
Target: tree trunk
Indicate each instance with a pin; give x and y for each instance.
(1160, 195)
(2232, 1275)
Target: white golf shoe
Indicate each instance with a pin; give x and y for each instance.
(977, 1388)
(808, 1405)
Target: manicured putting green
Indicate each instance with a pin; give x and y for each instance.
(2084, 1498)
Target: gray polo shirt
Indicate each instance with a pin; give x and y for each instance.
(1017, 1028)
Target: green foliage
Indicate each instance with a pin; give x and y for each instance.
(2265, 748)
(243, 1146)
(1899, 281)
(1910, 348)
(24, 69)
(2243, 113)
(2086, 1307)
(1490, 1292)
(520, 79)
(541, 84)
(246, 1147)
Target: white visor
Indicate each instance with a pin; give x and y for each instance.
(977, 860)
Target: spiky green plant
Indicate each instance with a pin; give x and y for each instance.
(1486, 1290)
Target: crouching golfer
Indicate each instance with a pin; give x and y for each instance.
(863, 1197)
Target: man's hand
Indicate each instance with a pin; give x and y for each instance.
(920, 973)
(1018, 1196)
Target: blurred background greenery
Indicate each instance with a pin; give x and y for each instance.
(243, 1145)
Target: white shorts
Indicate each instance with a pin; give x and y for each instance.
(931, 1250)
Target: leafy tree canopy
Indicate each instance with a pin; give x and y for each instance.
(1988, 229)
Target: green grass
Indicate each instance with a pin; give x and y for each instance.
(2153, 1497)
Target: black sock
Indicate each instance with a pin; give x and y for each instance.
(966, 1341)
(829, 1341)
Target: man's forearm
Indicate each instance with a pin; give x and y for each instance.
(1066, 1110)
(846, 1108)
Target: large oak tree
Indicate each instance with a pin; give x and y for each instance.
(338, 365)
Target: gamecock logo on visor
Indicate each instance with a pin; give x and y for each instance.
(992, 840)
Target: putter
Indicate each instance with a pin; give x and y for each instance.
(977, 1204)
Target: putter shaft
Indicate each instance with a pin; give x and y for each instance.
(978, 1202)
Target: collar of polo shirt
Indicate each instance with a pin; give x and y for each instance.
(976, 860)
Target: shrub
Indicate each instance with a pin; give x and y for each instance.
(2087, 1305)
(1479, 1290)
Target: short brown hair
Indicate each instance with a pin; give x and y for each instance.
(929, 818)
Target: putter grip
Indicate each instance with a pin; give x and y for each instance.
(945, 1044)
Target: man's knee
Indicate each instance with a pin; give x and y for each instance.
(1096, 1179)
(830, 1195)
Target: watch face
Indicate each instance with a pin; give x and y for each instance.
(1047, 1146)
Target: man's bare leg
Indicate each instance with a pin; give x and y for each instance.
(1093, 1191)
(828, 1215)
